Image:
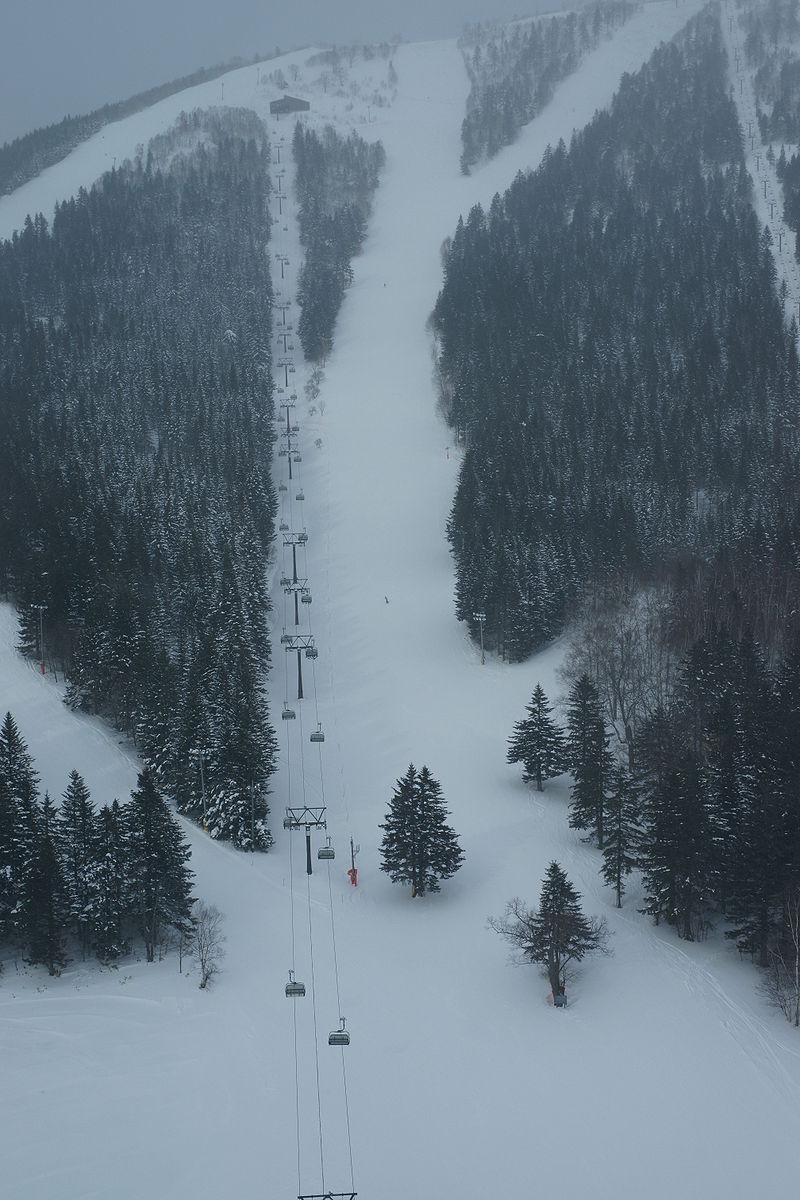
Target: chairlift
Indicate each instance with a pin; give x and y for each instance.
(286, 639)
(292, 370)
(327, 851)
(293, 988)
(295, 429)
(318, 735)
(302, 538)
(285, 581)
(301, 495)
(305, 598)
(312, 652)
(297, 458)
(282, 453)
(340, 1036)
(288, 714)
(283, 527)
(282, 487)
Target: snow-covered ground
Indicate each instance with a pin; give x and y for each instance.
(667, 1075)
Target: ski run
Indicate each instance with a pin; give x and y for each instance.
(669, 1075)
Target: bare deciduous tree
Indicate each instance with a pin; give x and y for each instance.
(209, 940)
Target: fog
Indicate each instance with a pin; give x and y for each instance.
(58, 58)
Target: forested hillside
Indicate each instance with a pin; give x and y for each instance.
(613, 355)
(336, 179)
(136, 505)
(514, 70)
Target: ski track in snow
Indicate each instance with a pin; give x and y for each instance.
(767, 191)
(461, 1080)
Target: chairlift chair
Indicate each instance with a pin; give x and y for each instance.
(293, 988)
(340, 1036)
(318, 735)
(295, 429)
(312, 652)
(285, 581)
(286, 639)
(305, 598)
(302, 538)
(282, 487)
(301, 495)
(288, 714)
(297, 458)
(327, 851)
(283, 527)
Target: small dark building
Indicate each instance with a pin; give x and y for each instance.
(288, 104)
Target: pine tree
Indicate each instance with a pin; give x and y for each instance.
(45, 899)
(22, 821)
(556, 933)
(676, 845)
(589, 758)
(160, 881)
(111, 900)
(75, 827)
(538, 742)
(418, 846)
(621, 830)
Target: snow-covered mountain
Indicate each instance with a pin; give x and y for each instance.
(667, 1074)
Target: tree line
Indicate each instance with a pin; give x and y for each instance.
(136, 500)
(513, 72)
(613, 358)
(86, 880)
(335, 181)
(27, 156)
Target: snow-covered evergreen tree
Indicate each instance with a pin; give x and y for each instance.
(74, 833)
(556, 933)
(111, 898)
(621, 829)
(538, 742)
(589, 758)
(418, 846)
(160, 880)
(46, 898)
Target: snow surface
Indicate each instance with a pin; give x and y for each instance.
(667, 1075)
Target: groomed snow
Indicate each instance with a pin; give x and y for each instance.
(667, 1075)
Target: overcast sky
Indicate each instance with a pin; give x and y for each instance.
(70, 56)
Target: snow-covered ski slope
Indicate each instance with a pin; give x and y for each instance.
(667, 1075)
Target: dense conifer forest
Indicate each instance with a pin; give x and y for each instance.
(336, 180)
(614, 359)
(513, 71)
(75, 880)
(136, 504)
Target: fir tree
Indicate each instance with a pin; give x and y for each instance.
(111, 899)
(589, 758)
(418, 846)
(160, 881)
(621, 830)
(45, 899)
(555, 934)
(75, 827)
(538, 742)
(22, 822)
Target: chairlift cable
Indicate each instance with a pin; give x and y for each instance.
(294, 1006)
(316, 1038)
